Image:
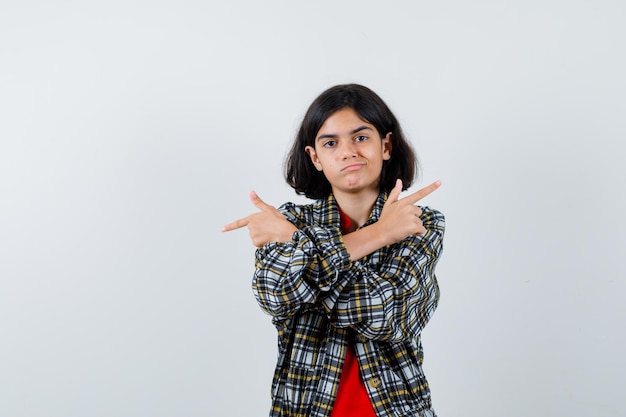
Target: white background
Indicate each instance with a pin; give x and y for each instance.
(132, 131)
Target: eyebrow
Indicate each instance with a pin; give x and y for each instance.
(352, 132)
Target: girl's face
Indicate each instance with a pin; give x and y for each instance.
(350, 153)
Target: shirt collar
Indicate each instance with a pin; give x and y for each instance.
(330, 210)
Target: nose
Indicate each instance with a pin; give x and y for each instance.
(348, 150)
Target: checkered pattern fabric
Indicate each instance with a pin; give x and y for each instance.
(320, 301)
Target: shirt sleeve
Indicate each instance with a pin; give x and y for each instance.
(392, 300)
(294, 275)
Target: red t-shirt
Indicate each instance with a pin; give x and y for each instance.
(352, 399)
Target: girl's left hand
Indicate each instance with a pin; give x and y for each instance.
(268, 225)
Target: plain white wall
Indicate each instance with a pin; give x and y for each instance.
(131, 131)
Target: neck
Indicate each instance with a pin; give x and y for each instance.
(357, 206)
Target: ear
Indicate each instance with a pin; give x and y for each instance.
(313, 155)
(387, 146)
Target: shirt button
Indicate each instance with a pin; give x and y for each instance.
(361, 338)
(375, 382)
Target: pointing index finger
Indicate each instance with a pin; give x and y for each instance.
(418, 195)
(237, 224)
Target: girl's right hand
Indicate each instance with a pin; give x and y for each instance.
(400, 218)
(265, 226)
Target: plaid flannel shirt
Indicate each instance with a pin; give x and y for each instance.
(320, 301)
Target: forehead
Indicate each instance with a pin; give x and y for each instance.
(343, 121)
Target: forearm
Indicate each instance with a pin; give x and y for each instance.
(392, 304)
(393, 300)
(365, 241)
(292, 275)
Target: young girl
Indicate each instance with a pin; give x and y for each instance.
(349, 279)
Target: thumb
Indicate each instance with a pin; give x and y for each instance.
(256, 200)
(395, 192)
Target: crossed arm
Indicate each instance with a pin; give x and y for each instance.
(399, 219)
(316, 267)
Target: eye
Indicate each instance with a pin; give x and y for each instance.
(360, 138)
(329, 143)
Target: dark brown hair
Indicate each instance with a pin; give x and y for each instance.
(300, 172)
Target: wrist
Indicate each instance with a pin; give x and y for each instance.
(378, 235)
(286, 235)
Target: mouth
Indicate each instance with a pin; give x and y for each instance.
(352, 167)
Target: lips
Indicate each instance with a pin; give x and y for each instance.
(352, 167)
